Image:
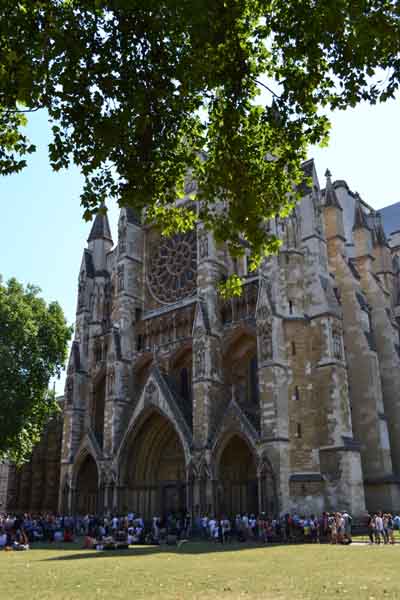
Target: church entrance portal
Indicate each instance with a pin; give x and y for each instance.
(87, 487)
(238, 485)
(155, 469)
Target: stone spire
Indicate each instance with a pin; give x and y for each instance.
(101, 227)
(330, 195)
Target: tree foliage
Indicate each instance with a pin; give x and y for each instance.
(141, 93)
(33, 348)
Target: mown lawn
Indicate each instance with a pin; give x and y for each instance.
(204, 571)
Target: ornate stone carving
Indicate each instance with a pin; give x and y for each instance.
(265, 340)
(150, 391)
(121, 277)
(121, 247)
(215, 362)
(110, 380)
(200, 358)
(171, 272)
(122, 227)
(203, 244)
(81, 290)
(70, 390)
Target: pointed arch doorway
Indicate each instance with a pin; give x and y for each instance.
(237, 481)
(155, 469)
(86, 490)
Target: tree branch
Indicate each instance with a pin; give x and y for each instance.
(267, 88)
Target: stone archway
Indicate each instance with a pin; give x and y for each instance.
(86, 487)
(237, 486)
(155, 469)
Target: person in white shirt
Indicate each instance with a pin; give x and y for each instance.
(211, 526)
(379, 528)
(204, 525)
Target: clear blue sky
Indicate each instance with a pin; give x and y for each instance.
(43, 234)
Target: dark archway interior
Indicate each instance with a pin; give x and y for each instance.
(238, 487)
(87, 487)
(155, 469)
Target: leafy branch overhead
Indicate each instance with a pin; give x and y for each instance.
(141, 93)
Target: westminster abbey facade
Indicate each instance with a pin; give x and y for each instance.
(285, 398)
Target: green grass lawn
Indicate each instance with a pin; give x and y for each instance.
(204, 571)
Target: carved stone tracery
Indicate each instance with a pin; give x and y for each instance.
(172, 267)
(265, 340)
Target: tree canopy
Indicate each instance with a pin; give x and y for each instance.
(33, 348)
(142, 93)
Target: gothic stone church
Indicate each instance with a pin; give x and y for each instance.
(286, 398)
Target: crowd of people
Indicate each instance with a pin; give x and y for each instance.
(18, 532)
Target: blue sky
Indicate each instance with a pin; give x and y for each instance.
(43, 234)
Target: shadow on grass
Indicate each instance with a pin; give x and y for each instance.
(76, 553)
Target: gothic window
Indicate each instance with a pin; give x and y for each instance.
(98, 352)
(293, 349)
(298, 430)
(140, 342)
(98, 412)
(337, 345)
(290, 307)
(296, 393)
(172, 267)
(253, 381)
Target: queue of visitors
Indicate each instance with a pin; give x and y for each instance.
(115, 531)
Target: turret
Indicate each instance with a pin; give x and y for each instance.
(333, 213)
(100, 241)
(383, 259)
(361, 232)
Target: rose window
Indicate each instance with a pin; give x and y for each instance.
(172, 267)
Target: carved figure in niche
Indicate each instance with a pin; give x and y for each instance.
(100, 303)
(203, 244)
(121, 277)
(70, 390)
(150, 390)
(124, 384)
(122, 227)
(215, 362)
(317, 212)
(81, 289)
(107, 299)
(121, 247)
(111, 379)
(265, 340)
(200, 359)
(78, 331)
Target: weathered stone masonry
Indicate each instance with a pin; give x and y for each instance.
(286, 398)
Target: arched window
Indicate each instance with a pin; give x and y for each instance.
(253, 381)
(98, 352)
